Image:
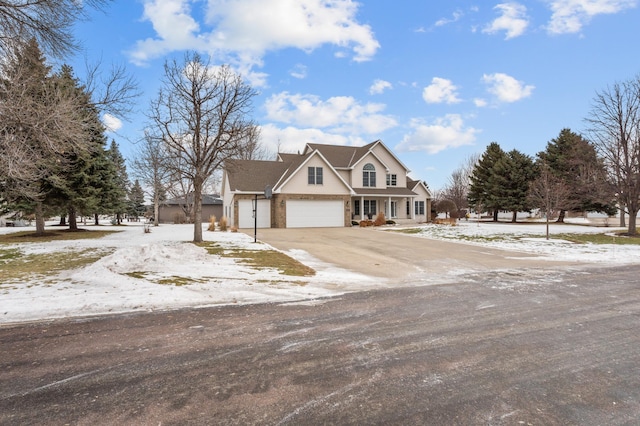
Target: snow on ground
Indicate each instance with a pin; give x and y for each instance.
(135, 268)
(530, 237)
(134, 272)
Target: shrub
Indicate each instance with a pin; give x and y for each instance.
(354, 223)
(234, 229)
(380, 219)
(223, 224)
(212, 223)
(365, 223)
(390, 222)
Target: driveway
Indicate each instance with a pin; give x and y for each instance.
(395, 255)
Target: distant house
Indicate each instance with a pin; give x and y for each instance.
(325, 186)
(173, 210)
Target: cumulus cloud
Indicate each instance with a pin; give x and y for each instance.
(379, 86)
(506, 88)
(444, 133)
(569, 16)
(111, 123)
(340, 114)
(293, 139)
(513, 20)
(440, 90)
(245, 30)
(299, 71)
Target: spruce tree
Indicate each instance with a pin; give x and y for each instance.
(513, 174)
(117, 198)
(484, 190)
(136, 200)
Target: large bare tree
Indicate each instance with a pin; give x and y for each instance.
(615, 129)
(201, 113)
(48, 21)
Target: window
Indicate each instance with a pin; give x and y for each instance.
(356, 207)
(370, 207)
(315, 175)
(369, 175)
(392, 179)
(420, 207)
(408, 208)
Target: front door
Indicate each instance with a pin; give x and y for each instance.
(394, 209)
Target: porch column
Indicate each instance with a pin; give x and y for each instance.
(362, 208)
(389, 207)
(413, 208)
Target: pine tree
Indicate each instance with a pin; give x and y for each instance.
(136, 200)
(484, 190)
(117, 198)
(574, 161)
(513, 174)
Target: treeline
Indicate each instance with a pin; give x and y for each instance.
(54, 155)
(567, 176)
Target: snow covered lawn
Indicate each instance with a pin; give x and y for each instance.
(162, 270)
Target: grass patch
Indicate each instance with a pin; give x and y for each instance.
(407, 230)
(262, 259)
(53, 235)
(598, 238)
(10, 254)
(19, 267)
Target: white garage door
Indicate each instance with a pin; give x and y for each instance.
(245, 214)
(314, 213)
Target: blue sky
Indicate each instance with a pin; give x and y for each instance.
(436, 81)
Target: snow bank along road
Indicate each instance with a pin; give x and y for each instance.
(497, 347)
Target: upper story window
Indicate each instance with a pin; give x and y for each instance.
(369, 175)
(392, 179)
(315, 175)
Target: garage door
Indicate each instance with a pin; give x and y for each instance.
(245, 214)
(314, 213)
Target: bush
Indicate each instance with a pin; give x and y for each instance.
(380, 219)
(212, 223)
(234, 229)
(365, 223)
(223, 224)
(391, 222)
(354, 223)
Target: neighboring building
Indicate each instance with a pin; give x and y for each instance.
(173, 211)
(325, 186)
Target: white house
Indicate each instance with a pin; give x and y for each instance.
(325, 186)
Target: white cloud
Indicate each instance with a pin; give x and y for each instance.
(340, 114)
(480, 103)
(112, 124)
(513, 20)
(444, 133)
(243, 31)
(379, 86)
(506, 88)
(292, 139)
(440, 90)
(570, 15)
(299, 71)
(454, 18)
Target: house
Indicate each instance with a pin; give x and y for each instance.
(324, 186)
(175, 210)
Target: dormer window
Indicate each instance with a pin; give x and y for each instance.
(392, 179)
(369, 175)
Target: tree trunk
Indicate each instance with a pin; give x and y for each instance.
(561, 216)
(73, 220)
(96, 219)
(514, 217)
(495, 215)
(39, 219)
(633, 213)
(197, 210)
(156, 208)
(623, 223)
(63, 220)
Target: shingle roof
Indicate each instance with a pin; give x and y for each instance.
(254, 175)
(340, 157)
(206, 200)
(390, 192)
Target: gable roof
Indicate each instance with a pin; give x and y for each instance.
(413, 184)
(346, 157)
(254, 175)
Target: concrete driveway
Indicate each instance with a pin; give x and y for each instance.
(395, 255)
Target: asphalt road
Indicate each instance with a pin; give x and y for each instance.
(496, 348)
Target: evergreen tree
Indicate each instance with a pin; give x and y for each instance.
(117, 198)
(484, 190)
(513, 174)
(574, 161)
(136, 200)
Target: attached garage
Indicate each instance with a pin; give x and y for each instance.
(245, 214)
(315, 213)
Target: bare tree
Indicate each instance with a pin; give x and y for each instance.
(150, 167)
(113, 92)
(201, 114)
(615, 128)
(48, 21)
(457, 188)
(549, 193)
